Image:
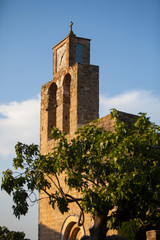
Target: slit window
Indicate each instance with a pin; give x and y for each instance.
(79, 53)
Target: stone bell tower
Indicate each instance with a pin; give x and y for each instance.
(71, 98)
(68, 101)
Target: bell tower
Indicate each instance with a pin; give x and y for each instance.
(71, 98)
(68, 101)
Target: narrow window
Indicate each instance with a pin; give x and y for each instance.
(52, 108)
(66, 103)
(79, 53)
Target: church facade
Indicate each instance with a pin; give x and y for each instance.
(68, 101)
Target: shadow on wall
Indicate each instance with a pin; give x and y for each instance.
(46, 233)
(69, 230)
(116, 237)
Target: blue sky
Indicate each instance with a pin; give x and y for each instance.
(125, 44)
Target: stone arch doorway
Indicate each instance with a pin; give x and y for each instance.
(70, 229)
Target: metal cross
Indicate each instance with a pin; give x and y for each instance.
(71, 23)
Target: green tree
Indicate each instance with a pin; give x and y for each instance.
(119, 168)
(11, 235)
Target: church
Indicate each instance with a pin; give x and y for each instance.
(68, 101)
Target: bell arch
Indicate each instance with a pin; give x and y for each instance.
(52, 105)
(66, 103)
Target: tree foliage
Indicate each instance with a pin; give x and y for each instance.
(130, 229)
(11, 235)
(119, 168)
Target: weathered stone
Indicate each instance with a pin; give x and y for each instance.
(153, 235)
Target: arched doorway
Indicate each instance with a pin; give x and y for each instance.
(70, 229)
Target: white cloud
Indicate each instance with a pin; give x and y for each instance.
(19, 121)
(134, 101)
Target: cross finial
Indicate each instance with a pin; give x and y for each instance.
(71, 32)
(71, 24)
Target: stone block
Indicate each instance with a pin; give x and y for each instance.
(153, 235)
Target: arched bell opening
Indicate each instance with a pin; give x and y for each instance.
(52, 105)
(66, 103)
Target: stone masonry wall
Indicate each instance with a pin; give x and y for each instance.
(83, 104)
(88, 93)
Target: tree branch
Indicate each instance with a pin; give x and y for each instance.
(76, 200)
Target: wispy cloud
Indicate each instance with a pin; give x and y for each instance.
(134, 101)
(19, 121)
